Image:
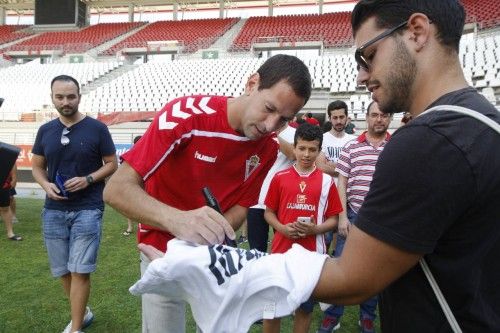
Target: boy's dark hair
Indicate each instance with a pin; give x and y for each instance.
(447, 15)
(289, 68)
(308, 132)
(66, 78)
(336, 105)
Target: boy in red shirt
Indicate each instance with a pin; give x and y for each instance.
(302, 204)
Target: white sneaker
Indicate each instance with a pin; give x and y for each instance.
(87, 320)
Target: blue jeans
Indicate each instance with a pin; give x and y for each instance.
(72, 240)
(368, 307)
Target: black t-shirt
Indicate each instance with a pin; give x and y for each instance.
(436, 191)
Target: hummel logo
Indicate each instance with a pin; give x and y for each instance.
(204, 158)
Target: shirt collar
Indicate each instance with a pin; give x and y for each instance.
(362, 137)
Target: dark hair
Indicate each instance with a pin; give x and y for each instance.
(286, 67)
(137, 138)
(309, 114)
(369, 107)
(66, 78)
(308, 132)
(447, 15)
(336, 105)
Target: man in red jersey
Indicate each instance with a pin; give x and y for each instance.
(224, 143)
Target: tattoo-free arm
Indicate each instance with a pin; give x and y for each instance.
(366, 266)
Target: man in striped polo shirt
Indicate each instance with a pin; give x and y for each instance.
(355, 167)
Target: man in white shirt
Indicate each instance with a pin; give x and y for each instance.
(333, 141)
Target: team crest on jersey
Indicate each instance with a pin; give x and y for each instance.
(302, 186)
(251, 164)
(301, 198)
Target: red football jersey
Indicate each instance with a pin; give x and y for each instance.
(190, 145)
(292, 195)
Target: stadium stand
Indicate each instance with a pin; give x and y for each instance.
(333, 29)
(193, 34)
(75, 41)
(486, 13)
(9, 33)
(26, 88)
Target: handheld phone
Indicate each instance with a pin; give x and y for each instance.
(60, 180)
(304, 219)
(212, 203)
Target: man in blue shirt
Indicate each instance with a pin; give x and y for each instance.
(72, 156)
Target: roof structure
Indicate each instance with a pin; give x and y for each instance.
(27, 6)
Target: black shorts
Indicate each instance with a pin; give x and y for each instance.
(4, 197)
(13, 192)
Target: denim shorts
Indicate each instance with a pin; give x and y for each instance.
(72, 240)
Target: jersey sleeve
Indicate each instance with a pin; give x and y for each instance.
(334, 206)
(163, 136)
(273, 197)
(412, 211)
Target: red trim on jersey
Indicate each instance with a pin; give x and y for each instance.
(362, 137)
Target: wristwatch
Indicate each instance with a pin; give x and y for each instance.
(89, 179)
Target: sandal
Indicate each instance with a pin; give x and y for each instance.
(126, 233)
(16, 238)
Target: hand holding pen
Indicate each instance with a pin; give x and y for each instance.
(212, 203)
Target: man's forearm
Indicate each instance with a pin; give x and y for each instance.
(40, 176)
(108, 168)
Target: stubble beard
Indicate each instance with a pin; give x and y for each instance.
(400, 79)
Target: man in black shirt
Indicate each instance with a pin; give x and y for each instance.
(447, 209)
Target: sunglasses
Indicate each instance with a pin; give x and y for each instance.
(64, 138)
(360, 57)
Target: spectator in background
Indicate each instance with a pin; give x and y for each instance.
(5, 210)
(333, 142)
(308, 117)
(72, 156)
(350, 128)
(301, 205)
(130, 227)
(224, 143)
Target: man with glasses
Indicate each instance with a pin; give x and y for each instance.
(355, 168)
(446, 210)
(72, 155)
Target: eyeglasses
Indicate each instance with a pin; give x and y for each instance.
(382, 116)
(64, 138)
(360, 57)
